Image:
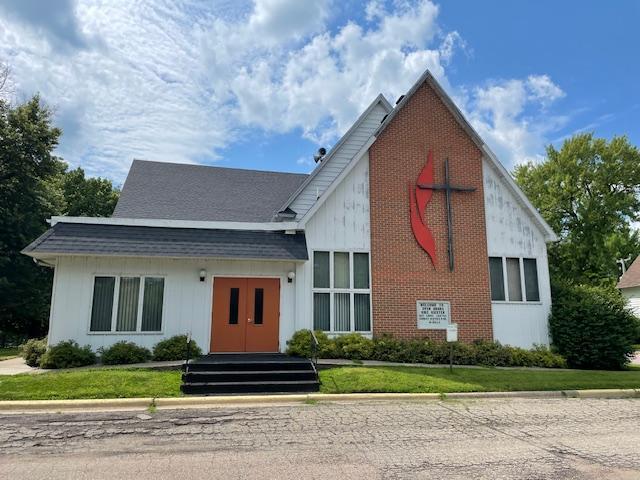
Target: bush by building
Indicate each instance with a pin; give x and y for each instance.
(591, 326)
(123, 352)
(32, 351)
(67, 354)
(356, 347)
(175, 348)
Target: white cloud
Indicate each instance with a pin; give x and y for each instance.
(511, 115)
(178, 80)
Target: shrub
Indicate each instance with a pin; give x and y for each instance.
(356, 347)
(121, 353)
(591, 326)
(32, 351)
(175, 348)
(67, 354)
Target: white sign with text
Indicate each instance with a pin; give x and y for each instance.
(433, 315)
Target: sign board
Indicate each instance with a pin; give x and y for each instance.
(452, 332)
(433, 315)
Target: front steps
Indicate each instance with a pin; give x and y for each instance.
(229, 373)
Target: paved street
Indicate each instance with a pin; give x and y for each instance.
(527, 439)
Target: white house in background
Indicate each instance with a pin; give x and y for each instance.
(409, 223)
(629, 285)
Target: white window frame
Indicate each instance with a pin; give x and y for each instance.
(523, 287)
(116, 299)
(351, 291)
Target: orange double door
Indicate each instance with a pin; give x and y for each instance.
(245, 315)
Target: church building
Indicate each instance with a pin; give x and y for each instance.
(407, 226)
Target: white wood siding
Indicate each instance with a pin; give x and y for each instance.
(187, 300)
(633, 297)
(512, 233)
(342, 223)
(336, 164)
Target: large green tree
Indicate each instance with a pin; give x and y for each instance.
(34, 185)
(588, 191)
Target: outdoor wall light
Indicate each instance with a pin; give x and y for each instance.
(291, 276)
(203, 274)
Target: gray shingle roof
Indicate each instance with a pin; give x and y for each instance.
(119, 240)
(196, 192)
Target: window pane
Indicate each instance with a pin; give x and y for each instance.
(531, 279)
(341, 312)
(360, 270)
(340, 270)
(258, 302)
(102, 307)
(321, 311)
(128, 304)
(234, 298)
(321, 269)
(361, 312)
(513, 279)
(497, 278)
(152, 304)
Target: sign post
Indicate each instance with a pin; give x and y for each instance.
(452, 336)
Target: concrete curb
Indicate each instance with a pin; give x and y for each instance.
(231, 400)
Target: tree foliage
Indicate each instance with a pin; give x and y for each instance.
(588, 193)
(35, 185)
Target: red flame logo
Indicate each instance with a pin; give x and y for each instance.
(418, 200)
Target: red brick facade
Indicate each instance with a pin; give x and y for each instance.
(402, 272)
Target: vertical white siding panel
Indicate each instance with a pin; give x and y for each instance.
(512, 232)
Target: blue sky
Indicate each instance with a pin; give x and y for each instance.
(262, 84)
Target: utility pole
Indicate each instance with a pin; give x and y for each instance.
(622, 261)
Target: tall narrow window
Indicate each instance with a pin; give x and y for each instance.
(341, 270)
(258, 306)
(362, 312)
(128, 304)
(531, 279)
(234, 298)
(513, 280)
(497, 279)
(321, 269)
(321, 311)
(152, 304)
(360, 270)
(102, 307)
(341, 312)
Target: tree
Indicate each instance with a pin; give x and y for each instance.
(88, 197)
(27, 140)
(588, 191)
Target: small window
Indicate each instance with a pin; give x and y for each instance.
(128, 304)
(152, 304)
(514, 284)
(362, 312)
(321, 269)
(102, 307)
(258, 304)
(341, 270)
(342, 312)
(497, 279)
(234, 298)
(361, 270)
(531, 279)
(321, 311)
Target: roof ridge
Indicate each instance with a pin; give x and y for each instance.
(216, 167)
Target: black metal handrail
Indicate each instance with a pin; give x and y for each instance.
(314, 353)
(186, 363)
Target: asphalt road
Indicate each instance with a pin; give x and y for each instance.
(492, 439)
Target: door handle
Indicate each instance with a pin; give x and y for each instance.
(248, 320)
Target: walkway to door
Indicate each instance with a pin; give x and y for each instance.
(245, 315)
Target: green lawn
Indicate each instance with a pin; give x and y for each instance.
(99, 383)
(8, 352)
(441, 380)
(126, 383)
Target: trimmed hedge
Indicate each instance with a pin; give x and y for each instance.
(175, 348)
(67, 354)
(32, 351)
(356, 347)
(591, 326)
(122, 353)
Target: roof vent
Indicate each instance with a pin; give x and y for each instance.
(319, 154)
(399, 99)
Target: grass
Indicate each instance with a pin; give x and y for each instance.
(99, 383)
(441, 380)
(128, 382)
(8, 352)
